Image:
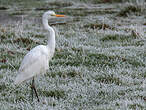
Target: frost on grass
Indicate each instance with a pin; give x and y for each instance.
(99, 61)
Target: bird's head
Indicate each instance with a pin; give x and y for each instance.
(50, 14)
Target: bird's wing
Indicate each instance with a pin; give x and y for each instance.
(31, 58)
(33, 63)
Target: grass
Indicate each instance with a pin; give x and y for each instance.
(54, 93)
(131, 9)
(97, 64)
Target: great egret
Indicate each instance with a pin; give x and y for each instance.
(37, 60)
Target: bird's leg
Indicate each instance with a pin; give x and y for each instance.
(33, 86)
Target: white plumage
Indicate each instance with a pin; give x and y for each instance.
(37, 60)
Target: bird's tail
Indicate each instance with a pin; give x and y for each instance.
(19, 79)
(22, 77)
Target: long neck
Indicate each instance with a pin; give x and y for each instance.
(51, 37)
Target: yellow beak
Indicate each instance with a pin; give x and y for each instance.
(59, 15)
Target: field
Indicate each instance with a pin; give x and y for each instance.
(99, 61)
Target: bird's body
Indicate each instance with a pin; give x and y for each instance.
(37, 60)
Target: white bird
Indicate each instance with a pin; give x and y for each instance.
(37, 60)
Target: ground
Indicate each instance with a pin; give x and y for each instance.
(99, 61)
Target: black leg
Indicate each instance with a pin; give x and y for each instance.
(33, 87)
